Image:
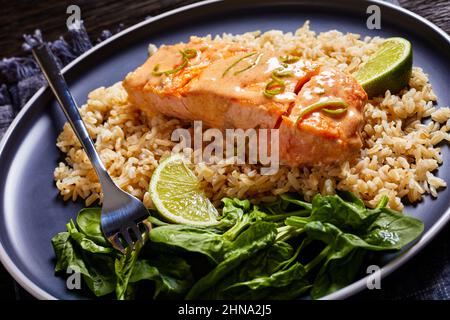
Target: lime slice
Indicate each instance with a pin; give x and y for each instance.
(176, 194)
(388, 69)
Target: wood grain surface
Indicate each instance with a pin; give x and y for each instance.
(20, 16)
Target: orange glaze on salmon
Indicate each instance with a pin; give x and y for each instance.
(223, 84)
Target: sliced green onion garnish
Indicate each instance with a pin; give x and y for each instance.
(340, 107)
(186, 54)
(336, 111)
(171, 71)
(274, 87)
(281, 72)
(189, 53)
(237, 61)
(289, 59)
(155, 69)
(254, 63)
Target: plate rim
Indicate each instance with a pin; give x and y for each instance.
(343, 293)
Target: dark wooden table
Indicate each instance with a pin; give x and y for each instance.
(19, 16)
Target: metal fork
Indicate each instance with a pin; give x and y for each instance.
(123, 216)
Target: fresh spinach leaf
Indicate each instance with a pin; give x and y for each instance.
(156, 222)
(392, 230)
(101, 278)
(86, 243)
(244, 222)
(257, 237)
(190, 239)
(348, 216)
(95, 268)
(262, 287)
(338, 271)
(172, 275)
(388, 233)
(88, 221)
(66, 255)
(240, 214)
(350, 197)
(124, 267)
(265, 263)
(289, 198)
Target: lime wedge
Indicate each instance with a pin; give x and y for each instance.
(388, 69)
(176, 194)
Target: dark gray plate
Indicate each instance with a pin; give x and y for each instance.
(31, 211)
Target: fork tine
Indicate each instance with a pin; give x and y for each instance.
(137, 233)
(115, 241)
(126, 236)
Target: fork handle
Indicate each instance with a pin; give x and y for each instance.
(59, 87)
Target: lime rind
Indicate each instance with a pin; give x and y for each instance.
(388, 69)
(175, 192)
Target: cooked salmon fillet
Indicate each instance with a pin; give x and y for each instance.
(227, 85)
(320, 138)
